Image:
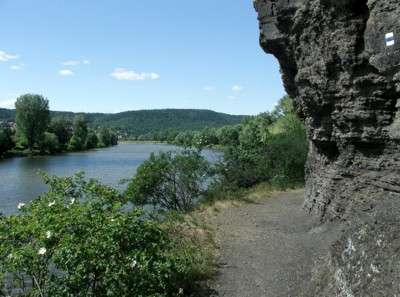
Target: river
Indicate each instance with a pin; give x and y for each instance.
(20, 182)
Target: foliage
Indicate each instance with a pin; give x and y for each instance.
(32, 118)
(92, 140)
(35, 132)
(75, 144)
(205, 138)
(283, 108)
(169, 180)
(6, 140)
(272, 147)
(158, 124)
(62, 128)
(50, 143)
(78, 239)
(184, 139)
(80, 132)
(228, 135)
(107, 137)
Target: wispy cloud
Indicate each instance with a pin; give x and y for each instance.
(209, 88)
(17, 67)
(124, 74)
(4, 57)
(66, 72)
(237, 88)
(75, 62)
(232, 97)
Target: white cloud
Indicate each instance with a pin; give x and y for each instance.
(237, 88)
(17, 67)
(66, 72)
(71, 63)
(209, 88)
(4, 57)
(124, 74)
(75, 62)
(232, 97)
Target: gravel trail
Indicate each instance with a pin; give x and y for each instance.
(268, 248)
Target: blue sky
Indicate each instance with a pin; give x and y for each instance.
(117, 55)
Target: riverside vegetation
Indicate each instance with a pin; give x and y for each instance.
(82, 238)
(35, 132)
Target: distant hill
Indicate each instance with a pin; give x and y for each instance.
(141, 122)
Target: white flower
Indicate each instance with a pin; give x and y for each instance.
(72, 201)
(180, 291)
(10, 256)
(20, 205)
(112, 220)
(52, 203)
(48, 234)
(133, 264)
(42, 251)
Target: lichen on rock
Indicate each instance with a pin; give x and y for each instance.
(340, 61)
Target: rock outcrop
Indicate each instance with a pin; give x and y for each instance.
(340, 61)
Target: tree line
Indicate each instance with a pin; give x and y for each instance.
(36, 132)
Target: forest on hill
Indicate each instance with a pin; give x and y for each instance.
(132, 124)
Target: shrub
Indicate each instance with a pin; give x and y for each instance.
(77, 240)
(169, 180)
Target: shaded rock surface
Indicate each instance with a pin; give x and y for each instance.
(340, 61)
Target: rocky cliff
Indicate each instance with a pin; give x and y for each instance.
(340, 61)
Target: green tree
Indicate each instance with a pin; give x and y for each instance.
(272, 147)
(105, 137)
(79, 136)
(284, 107)
(92, 140)
(75, 144)
(228, 135)
(254, 132)
(6, 140)
(108, 137)
(50, 143)
(184, 139)
(32, 118)
(62, 128)
(169, 180)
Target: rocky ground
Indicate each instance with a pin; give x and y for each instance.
(269, 247)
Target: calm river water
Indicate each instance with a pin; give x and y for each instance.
(20, 182)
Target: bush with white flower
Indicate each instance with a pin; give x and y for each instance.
(79, 240)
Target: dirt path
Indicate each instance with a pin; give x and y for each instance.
(267, 249)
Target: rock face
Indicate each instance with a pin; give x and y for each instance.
(340, 61)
